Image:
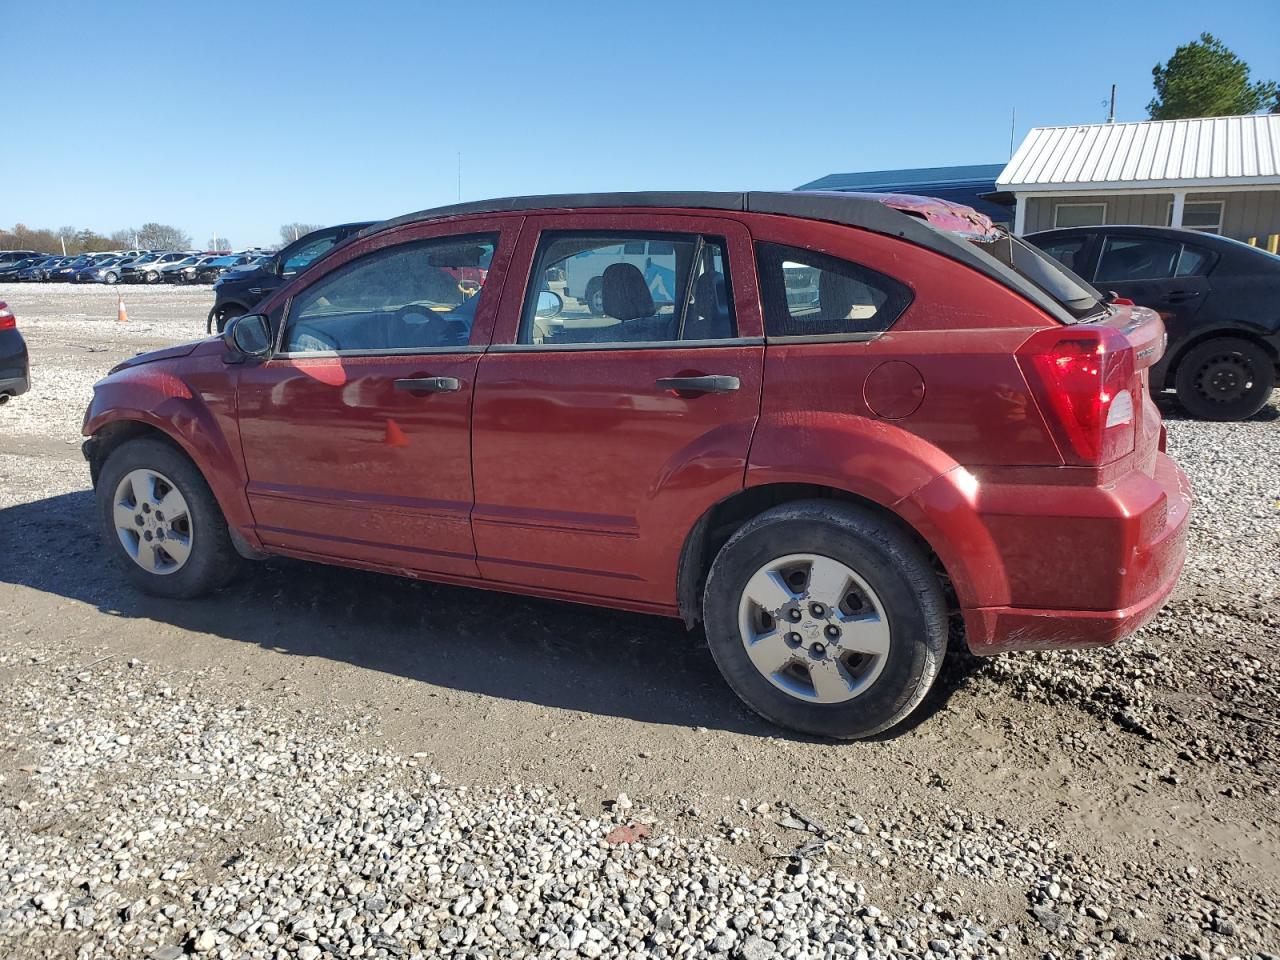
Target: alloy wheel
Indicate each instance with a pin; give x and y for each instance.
(152, 521)
(814, 628)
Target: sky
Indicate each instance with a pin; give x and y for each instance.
(234, 117)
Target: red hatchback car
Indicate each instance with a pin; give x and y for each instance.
(820, 424)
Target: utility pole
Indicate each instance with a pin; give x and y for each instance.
(63, 241)
(1111, 116)
(1013, 127)
(459, 176)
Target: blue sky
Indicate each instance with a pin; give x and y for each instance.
(236, 117)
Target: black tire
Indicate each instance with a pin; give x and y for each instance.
(219, 316)
(111, 277)
(1226, 378)
(889, 562)
(213, 560)
(151, 276)
(595, 296)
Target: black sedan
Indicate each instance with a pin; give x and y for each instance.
(66, 271)
(14, 366)
(39, 269)
(9, 270)
(1220, 300)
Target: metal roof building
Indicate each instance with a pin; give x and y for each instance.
(964, 184)
(1220, 174)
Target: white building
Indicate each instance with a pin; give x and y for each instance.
(1218, 174)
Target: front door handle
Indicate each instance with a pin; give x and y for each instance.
(708, 384)
(1182, 296)
(429, 384)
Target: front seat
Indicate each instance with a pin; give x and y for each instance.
(626, 295)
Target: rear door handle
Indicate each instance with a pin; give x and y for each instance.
(429, 384)
(1182, 296)
(708, 384)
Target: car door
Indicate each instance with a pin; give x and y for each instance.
(1167, 275)
(599, 439)
(356, 433)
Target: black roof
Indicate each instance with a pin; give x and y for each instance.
(846, 209)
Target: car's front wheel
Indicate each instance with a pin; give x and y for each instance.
(826, 618)
(595, 296)
(219, 317)
(1227, 378)
(161, 522)
(111, 277)
(152, 276)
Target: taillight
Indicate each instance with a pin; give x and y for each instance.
(1083, 380)
(7, 320)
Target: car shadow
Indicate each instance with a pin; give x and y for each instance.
(1172, 411)
(555, 654)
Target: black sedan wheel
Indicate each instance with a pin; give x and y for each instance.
(1226, 378)
(111, 277)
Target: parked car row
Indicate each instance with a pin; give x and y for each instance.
(130, 266)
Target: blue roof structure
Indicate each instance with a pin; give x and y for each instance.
(963, 184)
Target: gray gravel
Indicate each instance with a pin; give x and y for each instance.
(311, 766)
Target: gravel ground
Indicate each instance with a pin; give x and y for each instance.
(324, 763)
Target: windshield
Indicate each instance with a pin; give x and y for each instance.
(1073, 292)
(224, 261)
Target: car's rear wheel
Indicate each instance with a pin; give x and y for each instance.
(825, 618)
(1227, 378)
(161, 522)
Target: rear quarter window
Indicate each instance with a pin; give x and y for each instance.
(812, 294)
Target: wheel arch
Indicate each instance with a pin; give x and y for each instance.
(192, 431)
(965, 582)
(1233, 329)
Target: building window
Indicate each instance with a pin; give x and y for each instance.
(1202, 215)
(1079, 214)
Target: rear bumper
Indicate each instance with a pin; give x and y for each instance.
(1143, 579)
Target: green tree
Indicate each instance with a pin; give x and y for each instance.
(1205, 79)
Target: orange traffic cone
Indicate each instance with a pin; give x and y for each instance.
(395, 436)
(122, 315)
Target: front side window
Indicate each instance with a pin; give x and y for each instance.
(415, 296)
(616, 288)
(1131, 258)
(1079, 214)
(299, 259)
(809, 294)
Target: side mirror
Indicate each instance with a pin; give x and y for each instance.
(549, 305)
(248, 336)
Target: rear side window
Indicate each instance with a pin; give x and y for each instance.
(610, 290)
(811, 294)
(1125, 258)
(1193, 262)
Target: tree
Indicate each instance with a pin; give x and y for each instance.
(290, 232)
(161, 236)
(219, 244)
(1205, 79)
